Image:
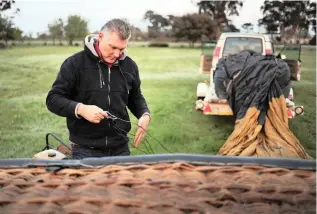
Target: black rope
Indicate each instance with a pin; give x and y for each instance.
(146, 142)
(152, 137)
(139, 149)
(113, 117)
(119, 132)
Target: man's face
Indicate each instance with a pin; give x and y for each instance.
(111, 46)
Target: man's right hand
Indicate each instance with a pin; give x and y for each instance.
(92, 113)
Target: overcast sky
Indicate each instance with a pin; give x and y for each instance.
(35, 15)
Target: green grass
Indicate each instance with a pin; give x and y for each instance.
(169, 79)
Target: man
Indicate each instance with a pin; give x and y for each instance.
(94, 84)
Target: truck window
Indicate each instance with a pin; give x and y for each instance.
(234, 45)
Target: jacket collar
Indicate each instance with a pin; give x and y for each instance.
(92, 44)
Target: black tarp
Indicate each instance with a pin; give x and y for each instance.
(258, 77)
(255, 87)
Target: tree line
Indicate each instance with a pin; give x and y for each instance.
(280, 18)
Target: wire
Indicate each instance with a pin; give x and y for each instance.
(119, 130)
(146, 141)
(149, 135)
(146, 144)
(139, 149)
(113, 117)
(131, 143)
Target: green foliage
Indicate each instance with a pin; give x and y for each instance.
(193, 27)
(158, 23)
(76, 27)
(56, 30)
(311, 14)
(6, 28)
(220, 11)
(7, 5)
(157, 20)
(42, 36)
(278, 15)
(158, 44)
(17, 34)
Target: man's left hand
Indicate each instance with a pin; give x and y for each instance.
(142, 128)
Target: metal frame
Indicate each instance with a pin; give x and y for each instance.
(195, 159)
(48, 146)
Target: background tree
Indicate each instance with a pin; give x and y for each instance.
(193, 27)
(220, 11)
(230, 28)
(311, 14)
(76, 27)
(6, 23)
(158, 24)
(6, 29)
(312, 19)
(299, 22)
(17, 34)
(7, 4)
(42, 36)
(280, 15)
(272, 17)
(136, 34)
(289, 34)
(56, 30)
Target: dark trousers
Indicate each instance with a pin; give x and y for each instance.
(80, 152)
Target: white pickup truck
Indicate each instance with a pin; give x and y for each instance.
(232, 43)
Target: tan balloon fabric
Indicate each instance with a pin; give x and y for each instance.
(274, 139)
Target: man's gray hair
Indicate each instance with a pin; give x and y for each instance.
(119, 26)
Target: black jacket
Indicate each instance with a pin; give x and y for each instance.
(84, 78)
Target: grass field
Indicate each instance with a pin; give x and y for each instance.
(169, 76)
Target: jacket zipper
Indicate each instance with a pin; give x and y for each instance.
(109, 81)
(102, 81)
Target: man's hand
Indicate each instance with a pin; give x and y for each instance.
(142, 127)
(92, 113)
